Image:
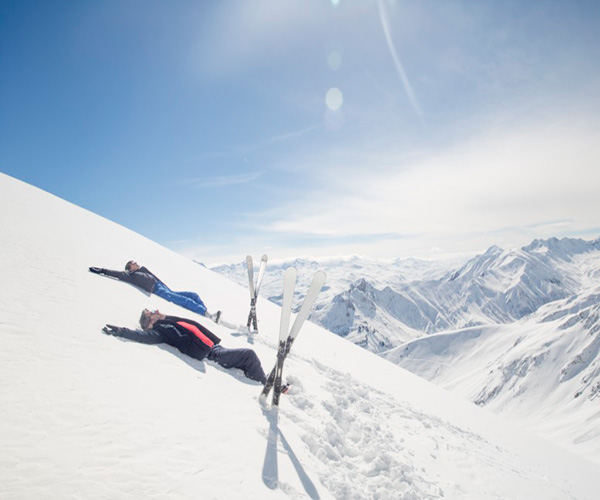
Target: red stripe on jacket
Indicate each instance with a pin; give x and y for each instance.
(196, 331)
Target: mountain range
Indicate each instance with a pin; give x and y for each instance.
(380, 305)
(514, 330)
(542, 371)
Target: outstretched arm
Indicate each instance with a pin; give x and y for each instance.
(121, 275)
(142, 336)
(97, 270)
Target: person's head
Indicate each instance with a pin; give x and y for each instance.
(148, 318)
(132, 266)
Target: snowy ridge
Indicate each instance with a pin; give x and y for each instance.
(543, 371)
(381, 305)
(85, 415)
(364, 311)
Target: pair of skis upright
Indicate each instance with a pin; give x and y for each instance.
(287, 336)
(254, 288)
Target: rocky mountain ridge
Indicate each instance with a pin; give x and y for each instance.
(381, 305)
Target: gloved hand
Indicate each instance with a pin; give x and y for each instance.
(111, 329)
(97, 270)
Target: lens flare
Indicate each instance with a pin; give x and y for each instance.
(385, 23)
(334, 99)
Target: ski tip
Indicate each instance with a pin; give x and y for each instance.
(291, 272)
(319, 278)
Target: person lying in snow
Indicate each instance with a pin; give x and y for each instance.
(146, 280)
(192, 339)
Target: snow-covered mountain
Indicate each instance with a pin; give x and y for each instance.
(542, 371)
(526, 321)
(85, 415)
(381, 305)
(351, 304)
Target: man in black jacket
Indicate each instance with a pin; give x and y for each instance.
(142, 277)
(190, 338)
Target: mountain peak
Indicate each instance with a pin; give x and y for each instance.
(564, 247)
(494, 250)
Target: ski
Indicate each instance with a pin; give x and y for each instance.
(254, 289)
(274, 380)
(289, 284)
(252, 314)
(261, 274)
(250, 266)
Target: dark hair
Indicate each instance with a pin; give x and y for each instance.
(145, 320)
(128, 265)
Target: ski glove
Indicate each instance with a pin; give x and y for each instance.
(97, 270)
(111, 330)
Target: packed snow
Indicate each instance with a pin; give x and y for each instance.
(85, 415)
(517, 330)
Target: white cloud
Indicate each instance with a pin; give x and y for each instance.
(507, 184)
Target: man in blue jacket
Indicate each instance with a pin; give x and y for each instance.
(192, 339)
(142, 277)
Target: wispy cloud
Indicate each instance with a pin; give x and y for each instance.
(505, 185)
(290, 135)
(222, 180)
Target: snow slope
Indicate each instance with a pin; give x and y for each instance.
(542, 371)
(85, 415)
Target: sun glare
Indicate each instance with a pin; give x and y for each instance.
(334, 99)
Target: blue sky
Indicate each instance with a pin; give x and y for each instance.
(310, 127)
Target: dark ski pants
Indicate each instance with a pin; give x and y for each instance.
(189, 300)
(244, 359)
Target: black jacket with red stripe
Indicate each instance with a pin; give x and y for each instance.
(186, 335)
